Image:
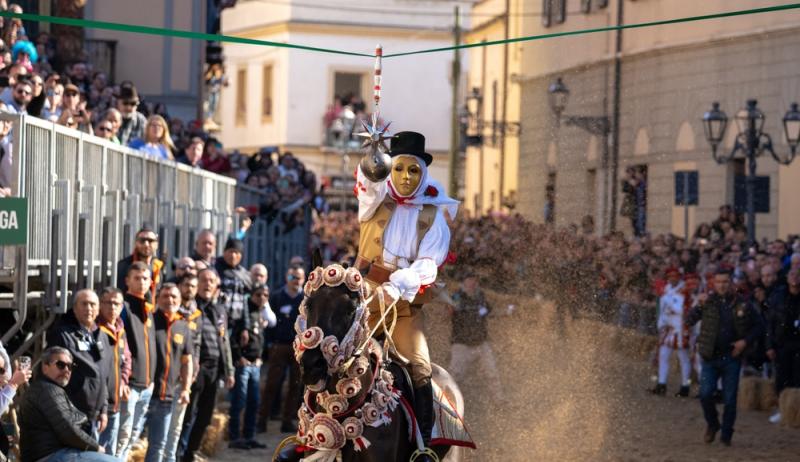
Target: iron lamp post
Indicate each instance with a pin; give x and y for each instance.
(752, 142)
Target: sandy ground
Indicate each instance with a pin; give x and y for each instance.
(570, 395)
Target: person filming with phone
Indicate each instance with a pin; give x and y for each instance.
(10, 381)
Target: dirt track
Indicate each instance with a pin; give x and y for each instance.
(572, 396)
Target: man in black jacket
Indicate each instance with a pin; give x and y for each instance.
(470, 337)
(235, 282)
(215, 350)
(783, 345)
(246, 352)
(88, 385)
(51, 427)
(138, 321)
(729, 325)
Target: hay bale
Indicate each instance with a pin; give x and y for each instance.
(767, 397)
(749, 398)
(138, 451)
(215, 434)
(789, 404)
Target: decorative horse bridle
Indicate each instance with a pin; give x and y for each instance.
(342, 421)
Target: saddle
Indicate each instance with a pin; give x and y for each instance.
(449, 428)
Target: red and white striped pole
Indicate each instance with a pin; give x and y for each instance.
(376, 89)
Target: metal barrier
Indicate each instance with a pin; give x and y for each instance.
(87, 197)
(272, 242)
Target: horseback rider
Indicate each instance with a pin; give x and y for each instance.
(404, 239)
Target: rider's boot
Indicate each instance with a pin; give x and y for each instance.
(423, 408)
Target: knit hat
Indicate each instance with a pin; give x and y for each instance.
(234, 244)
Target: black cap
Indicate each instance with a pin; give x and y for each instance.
(235, 244)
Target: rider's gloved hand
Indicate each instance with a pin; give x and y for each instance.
(406, 282)
(391, 292)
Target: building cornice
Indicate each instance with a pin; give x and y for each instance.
(668, 48)
(489, 23)
(340, 28)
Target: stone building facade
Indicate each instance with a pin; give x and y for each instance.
(664, 92)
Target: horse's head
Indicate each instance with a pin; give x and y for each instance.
(328, 323)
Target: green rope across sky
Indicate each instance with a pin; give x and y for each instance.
(138, 29)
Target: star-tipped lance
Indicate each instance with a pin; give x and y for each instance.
(375, 136)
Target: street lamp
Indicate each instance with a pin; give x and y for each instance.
(752, 142)
(476, 125)
(474, 106)
(558, 95)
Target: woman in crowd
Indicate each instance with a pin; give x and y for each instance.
(157, 141)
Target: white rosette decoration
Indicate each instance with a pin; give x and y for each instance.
(359, 367)
(349, 387)
(314, 281)
(311, 338)
(298, 349)
(304, 417)
(381, 401)
(335, 404)
(326, 432)
(371, 415)
(330, 348)
(353, 430)
(333, 275)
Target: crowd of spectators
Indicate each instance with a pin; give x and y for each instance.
(612, 278)
(141, 361)
(35, 81)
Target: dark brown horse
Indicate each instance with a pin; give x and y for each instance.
(333, 309)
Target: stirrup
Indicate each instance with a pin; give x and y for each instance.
(423, 452)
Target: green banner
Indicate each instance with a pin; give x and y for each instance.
(13, 221)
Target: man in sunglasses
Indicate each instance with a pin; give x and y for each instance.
(20, 97)
(145, 248)
(133, 121)
(51, 427)
(184, 266)
(78, 333)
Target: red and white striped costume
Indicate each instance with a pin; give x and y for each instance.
(672, 329)
(673, 334)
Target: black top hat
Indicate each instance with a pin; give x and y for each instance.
(411, 143)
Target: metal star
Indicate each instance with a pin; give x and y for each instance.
(374, 136)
